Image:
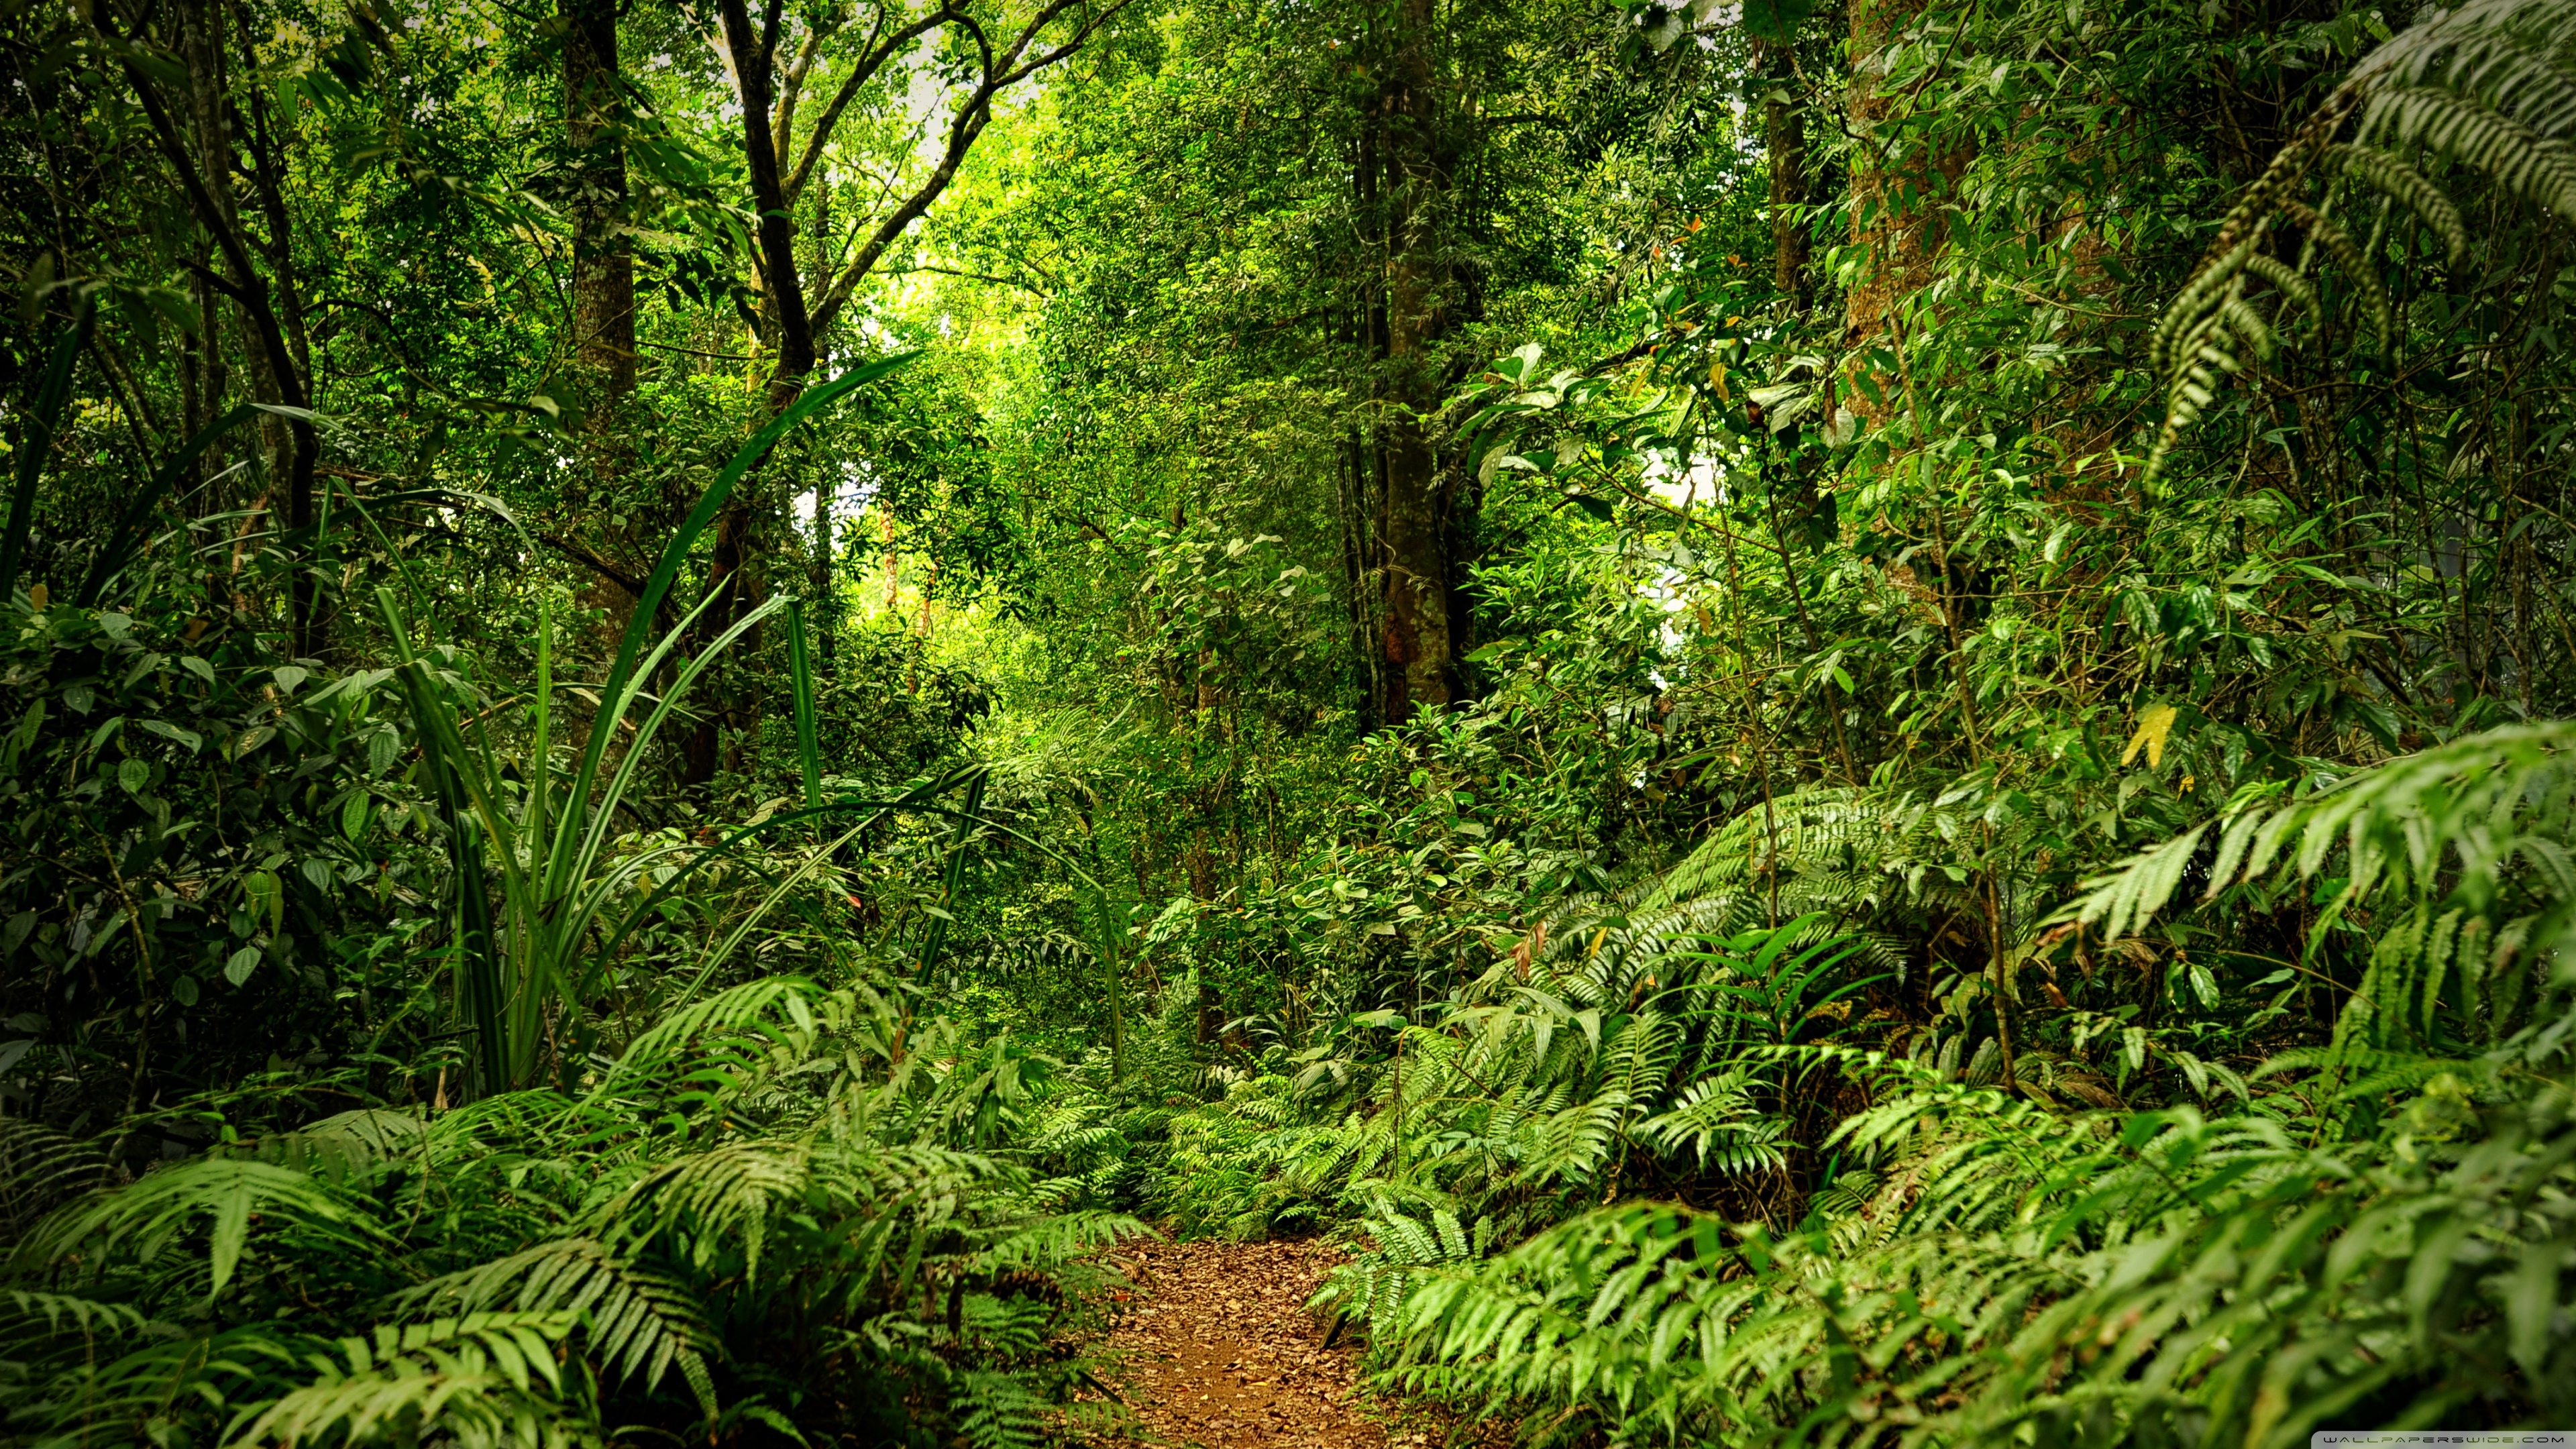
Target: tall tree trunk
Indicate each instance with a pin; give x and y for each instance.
(1416, 562)
(204, 172)
(603, 260)
(603, 297)
(754, 53)
(827, 612)
(1358, 572)
(1896, 189)
(311, 603)
(203, 375)
(1784, 138)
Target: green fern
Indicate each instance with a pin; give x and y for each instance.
(484, 1379)
(2484, 88)
(749, 1189)
(2461, 851)
(638, 1322)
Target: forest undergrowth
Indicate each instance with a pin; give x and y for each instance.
(1823, 722)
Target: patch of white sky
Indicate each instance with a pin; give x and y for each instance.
(929, 105)
(1678, 579)
(856, 486)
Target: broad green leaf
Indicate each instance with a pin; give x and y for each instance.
(2531, 1303)
(2204, 986)
(262, 889)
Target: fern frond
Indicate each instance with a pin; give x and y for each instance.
(2357, 268)
(39, 1168)
(2511, 55)
(2467, 804)
(342, 1147)
(2199, 299)
(1716, 1118)
(998, 1411)
(2294, 289)
(223, 1193)
(2411, 188)
(640, 1323)
(484, 1379)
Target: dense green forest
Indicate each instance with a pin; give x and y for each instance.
(1837, 721)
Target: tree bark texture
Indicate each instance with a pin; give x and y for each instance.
(603, 305)
(1784, 136)
(1415, 565)
(603, 259)
(1897, 187)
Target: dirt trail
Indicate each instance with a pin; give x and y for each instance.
(1222, 1353)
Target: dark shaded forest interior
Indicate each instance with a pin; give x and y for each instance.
(1784, 722)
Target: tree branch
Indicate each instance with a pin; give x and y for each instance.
(633, 586)
(970, 121)
(793, 88)
(752, 63)
(871, 61)
(975, 277)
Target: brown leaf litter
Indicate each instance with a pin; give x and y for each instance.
(1221, 1351)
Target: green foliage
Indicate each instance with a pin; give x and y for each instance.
(2158, 1279)
(557, 879)
(2369, 1235)
(1836, 725)
(2482, 87)
(750, 1204)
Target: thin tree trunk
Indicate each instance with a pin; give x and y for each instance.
(205, 178)
(827, 483)
(1784, 135)
(754, 54)
(311, 604)
(603, 314)
(1417, 640)
(203, 375)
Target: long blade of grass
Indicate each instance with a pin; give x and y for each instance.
(539, 771)
(36, 442)
(612, 883)
(477, 780)
(667, 571)
(723, 951)
(809, 755)
(596, 838)
(482, 957)
(478, 950)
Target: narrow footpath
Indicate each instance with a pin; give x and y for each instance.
(1221, 1352)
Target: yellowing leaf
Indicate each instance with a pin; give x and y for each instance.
(1717, 379)
(2154, 723)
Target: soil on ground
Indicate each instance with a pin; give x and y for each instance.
(1221, 1351)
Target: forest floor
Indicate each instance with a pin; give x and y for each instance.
(1221, 1352)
